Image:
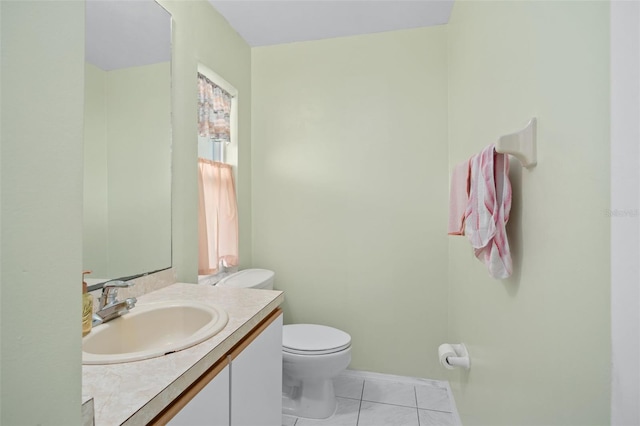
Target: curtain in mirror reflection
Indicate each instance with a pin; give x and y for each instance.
(217, 217)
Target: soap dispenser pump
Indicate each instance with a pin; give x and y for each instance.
(87, 306)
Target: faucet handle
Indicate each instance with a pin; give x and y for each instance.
(117, 284)
(110, 291)
(131, 302)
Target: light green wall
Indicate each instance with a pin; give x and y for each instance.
(95, 218)
(138, 101)
(202, 35)
(539, 341)
(127, 173)
(1, 203)
(345, 256)
(41, 218)
(350, 189)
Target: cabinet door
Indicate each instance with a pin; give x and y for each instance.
(210, 407)
(256, 380)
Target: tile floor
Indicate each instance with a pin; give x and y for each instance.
(380, 401)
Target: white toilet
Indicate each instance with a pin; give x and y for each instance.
(312, 355)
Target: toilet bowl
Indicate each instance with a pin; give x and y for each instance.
(312, 355)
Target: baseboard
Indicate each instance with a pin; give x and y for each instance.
(394, 378)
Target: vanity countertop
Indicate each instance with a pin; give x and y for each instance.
(134, 393)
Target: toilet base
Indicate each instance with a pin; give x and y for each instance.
(314, 399)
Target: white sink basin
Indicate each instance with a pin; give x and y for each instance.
(152, 330)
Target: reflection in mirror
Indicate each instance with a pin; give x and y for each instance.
(127, 139)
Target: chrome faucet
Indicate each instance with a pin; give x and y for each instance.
(109, 307)
(223, 267)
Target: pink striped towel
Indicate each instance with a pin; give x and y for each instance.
(458, 198)
(488, 211)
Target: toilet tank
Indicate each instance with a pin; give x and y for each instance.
(250, 278)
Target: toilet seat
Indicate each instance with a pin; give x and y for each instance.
(312, 339)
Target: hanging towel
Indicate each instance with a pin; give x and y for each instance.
(488, 211)
(458, 198)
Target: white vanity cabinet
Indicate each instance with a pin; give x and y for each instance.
(256, 380)
(210, 406)
(243, 389)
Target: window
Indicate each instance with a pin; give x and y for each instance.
(217, 164)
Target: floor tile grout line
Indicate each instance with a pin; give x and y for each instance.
(437, 411)
(389, 403)
(360, 404)
(349, 397)
(395, 405)
(415, 394)
(361, 399)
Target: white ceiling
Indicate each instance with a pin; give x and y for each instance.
(266, 22)
(126, 33)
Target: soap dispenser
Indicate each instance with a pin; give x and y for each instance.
(87, 306)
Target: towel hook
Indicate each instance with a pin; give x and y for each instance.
(521, 145)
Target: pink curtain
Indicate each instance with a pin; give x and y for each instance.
(217, 216)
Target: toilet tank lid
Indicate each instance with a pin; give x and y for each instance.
(313, 337)
(247, 278)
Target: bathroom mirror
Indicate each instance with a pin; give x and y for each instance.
(127, 139)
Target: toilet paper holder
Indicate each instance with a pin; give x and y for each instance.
(454, 355)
